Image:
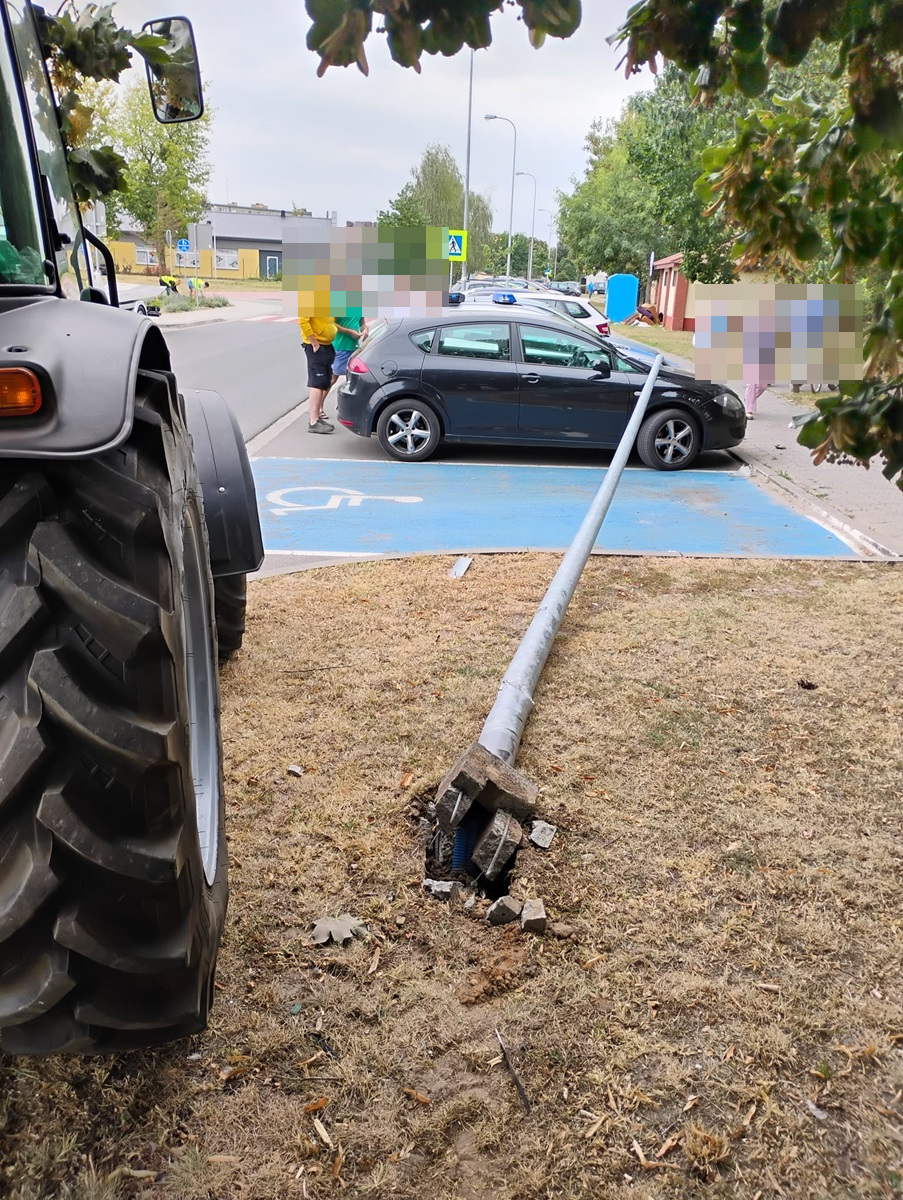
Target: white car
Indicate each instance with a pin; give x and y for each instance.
(575, 307)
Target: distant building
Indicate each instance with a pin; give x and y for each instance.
(247, 240)
(672, 294)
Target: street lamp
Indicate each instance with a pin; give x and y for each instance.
(493, 117)
(549, 263)
(532, 225)
(467, 166)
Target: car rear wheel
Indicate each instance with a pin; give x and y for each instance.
(668, 440)
(409, 430)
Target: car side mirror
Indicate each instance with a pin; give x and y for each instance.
(601, 367)
(175, 78)
(93, 295)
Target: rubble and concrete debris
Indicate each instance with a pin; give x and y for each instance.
(533, 917)
(480, 775)
(505, 909)
(497, 844)
(459, 568)
(542, 833)
(560, 930)
(441, 889)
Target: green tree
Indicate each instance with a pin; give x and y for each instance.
(798, 177)
(167, 169)
(434, 195)
(608, 220)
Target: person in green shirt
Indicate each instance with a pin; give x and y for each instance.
(352, 329)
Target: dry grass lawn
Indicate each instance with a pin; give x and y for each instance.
(721, 1019)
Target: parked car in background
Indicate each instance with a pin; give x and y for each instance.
(575, 307)
(570, 288)
(514, 375)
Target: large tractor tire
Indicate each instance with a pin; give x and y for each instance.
(230, 600)
(112, 849)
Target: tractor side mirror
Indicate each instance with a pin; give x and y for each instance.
(175, 81)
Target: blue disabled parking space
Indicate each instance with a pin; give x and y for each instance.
(350, 508)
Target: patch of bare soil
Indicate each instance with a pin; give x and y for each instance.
(724, 1019)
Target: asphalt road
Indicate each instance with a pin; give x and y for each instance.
(258, 366)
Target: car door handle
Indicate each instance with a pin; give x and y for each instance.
(531, 378)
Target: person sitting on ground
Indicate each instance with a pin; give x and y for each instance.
(645, 315)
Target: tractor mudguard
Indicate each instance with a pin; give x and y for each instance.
(230, 501)
(86, 357)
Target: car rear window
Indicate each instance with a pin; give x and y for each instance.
(483, 340)
(423, 339)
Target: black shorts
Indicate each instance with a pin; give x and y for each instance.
(319, 365)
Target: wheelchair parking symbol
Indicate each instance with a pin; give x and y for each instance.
(335, 498)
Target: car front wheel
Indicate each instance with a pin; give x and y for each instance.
(668, 440)
(408, 430)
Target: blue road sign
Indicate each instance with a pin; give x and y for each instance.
(183, 245)
(342, 507)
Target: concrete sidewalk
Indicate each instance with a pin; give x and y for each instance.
(850, 498)
(240, 310)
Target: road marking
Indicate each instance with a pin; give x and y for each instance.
(269, 317)
(337, 495)
(338, 508)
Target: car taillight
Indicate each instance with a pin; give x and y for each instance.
(357, 367)
(603, 328)
(20, 392)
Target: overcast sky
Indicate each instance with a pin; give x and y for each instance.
(280, 136)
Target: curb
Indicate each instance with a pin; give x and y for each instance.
(868, 544)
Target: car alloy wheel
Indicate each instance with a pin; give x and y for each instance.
(668, 440)
(408, 431)
(674, 441)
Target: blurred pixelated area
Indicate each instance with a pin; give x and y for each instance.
(779, 333)
(385, 272)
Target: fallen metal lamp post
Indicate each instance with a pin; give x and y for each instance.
(485, 771)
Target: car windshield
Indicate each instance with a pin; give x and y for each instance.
(22, 253)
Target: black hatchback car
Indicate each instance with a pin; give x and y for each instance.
(475, 375)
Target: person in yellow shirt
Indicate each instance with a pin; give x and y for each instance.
(318, 334)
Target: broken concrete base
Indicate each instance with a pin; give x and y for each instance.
(497, 844)
(542, 833)
(481, 775)
(533, 917)
(442, 889)
(504, 910)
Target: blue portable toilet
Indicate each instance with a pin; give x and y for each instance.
(623, 294)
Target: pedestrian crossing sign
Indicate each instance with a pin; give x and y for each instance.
(457, 245)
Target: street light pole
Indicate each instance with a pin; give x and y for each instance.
(532, 226)
(493, 117)
(467, 167)
(549, 254)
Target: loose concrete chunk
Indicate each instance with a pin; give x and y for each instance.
(533, 917)
(505, 909)
(542, 833)
(452, 807)
(479, 774)
(496, 845)
(441, 889)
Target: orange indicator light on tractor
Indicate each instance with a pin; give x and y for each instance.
(20, 392)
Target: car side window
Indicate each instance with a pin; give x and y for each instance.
(552, 349)
(574, 310)
(423, 339)
(621, 364)
(483, 341)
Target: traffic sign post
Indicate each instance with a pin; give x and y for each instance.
(183, 246)
(457, 245)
